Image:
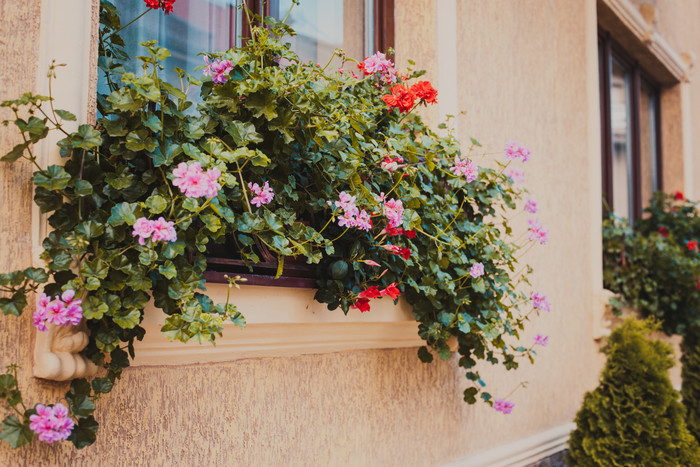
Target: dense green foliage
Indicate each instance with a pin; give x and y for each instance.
(633, 418)
(312, 133)
(690, 374)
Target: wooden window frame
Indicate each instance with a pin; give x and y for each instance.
(608, 50)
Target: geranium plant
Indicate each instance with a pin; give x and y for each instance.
(309, 161)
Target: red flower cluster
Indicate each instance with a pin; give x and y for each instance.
(166, 5)
(404, 97)
(663, 231)
(691, 244)
(679, 195)
(362, 302)
(399, 231)
(405, 253)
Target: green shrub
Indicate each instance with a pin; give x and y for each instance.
(633, 417)
(690, 392)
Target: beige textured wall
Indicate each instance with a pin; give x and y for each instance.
(526, 72)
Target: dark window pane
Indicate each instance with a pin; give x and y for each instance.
(647, 146)
(620, 119)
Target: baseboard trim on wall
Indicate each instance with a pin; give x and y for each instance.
(522, 452)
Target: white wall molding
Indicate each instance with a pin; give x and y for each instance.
(282, 322)
(643, 31)
(522, 452)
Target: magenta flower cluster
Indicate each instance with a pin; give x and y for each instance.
(378, 63)
(465, 168)
(516, 175)
(194, 182)
(63, 311)
(51, 423)
(391, 164)
(515, 150)
(218, 69)
(531, 206)
(537, 232)
(158, 230)
(541, 340)
(504, 406)
(352, 216)
(477, 270)
(393, 210)
(539, 301)
(263, 195)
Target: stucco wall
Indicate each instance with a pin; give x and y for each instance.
(527, 71)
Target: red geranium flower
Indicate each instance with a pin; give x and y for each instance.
(392, 291)
(424, 90)
(679, 195)
(409, 233)
(692, 244)
(401, 97)
(166, 5)
(663, 231)
(372, 292)
(361, 304)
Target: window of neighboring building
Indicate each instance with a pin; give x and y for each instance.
(630, 138)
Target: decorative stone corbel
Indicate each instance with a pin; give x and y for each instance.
(57, 353)
(648, 13)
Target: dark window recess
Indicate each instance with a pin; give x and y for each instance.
(630, 131)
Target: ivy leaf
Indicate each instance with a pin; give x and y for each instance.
(102, 385)
(93, 308)
(425, 355)
(82, 187)
(168, 269)
(243, 133)
(47, 200)
(470, 395)
(85, 432)
(129, 320)
(15, 305)
(65, 115)
(15, 153)
(173, 249)
(16, 433)
(156, 204)
(123, 213)
(140, 141)
(479, 286)
(37, 275)
(86, 138)
(53, 178)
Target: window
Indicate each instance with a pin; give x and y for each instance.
(630, 132)
(359, 27)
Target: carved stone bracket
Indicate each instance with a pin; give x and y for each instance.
(57, 353)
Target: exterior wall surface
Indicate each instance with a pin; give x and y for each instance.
(527, 70)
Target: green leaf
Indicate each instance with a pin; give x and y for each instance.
(123, 213)
(424, 355)
(470, 395)
(168, 269)
(15, 153)
(479, 285)
(15, 305)
(156, 204)
(53, 178)
(140, 140)
(86, 138)
(65, 115)
(173, 249)
(129, 320)
(102, 385)
(16, 433)
(243, 133)
(93, 308)
(83, 187)
(37, 275)
(85, 432)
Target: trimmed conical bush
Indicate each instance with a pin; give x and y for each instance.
(690, 373)
(633, 417)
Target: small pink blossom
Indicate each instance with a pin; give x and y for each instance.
(143, 228)
(515, 150)
(379, 64)
(531, 206)
(194, 182)
(352, 216)
(516, 175)
(51, 423)
(477, 270)
(537, 232)
(218, 70)
(503, 406)
(371, 263)
(393, 210)
(163, 230)
(63, 311)
(541, 340)
(539, 301)
(465, 168)
(262, 195)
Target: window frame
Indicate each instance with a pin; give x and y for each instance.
(609, 50)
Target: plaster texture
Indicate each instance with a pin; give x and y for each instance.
(527, 71)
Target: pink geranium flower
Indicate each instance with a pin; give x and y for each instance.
(515, 150)
(539, 301)
(194, 182)
(163, 230)
(503, 406)
(63, 311)
(218, 69)
(263, 195)
(537, 232)
(352, 216)
(143, 228)
(531, 206)
(477, 270)
(51, 423)
(541, 340)
(393, 210)
(465, 168)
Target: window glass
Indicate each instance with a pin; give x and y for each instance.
(621, 141)
(323, 26)
(194, 26)
(648, 144)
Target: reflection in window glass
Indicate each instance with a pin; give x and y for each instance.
(194, 26)
(621, 141)
(647, 133)
(323, 26)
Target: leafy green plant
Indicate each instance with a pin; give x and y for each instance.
(690, 374)
(633, 417)
(305, 161)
